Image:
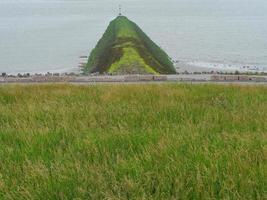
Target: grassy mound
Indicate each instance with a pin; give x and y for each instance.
(132, 142)
(126, 49)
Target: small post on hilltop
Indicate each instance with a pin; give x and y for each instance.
(120, 10)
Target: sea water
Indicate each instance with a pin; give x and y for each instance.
(38, 36)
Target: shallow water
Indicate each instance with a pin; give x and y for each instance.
(50, 35)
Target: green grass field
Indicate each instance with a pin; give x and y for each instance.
(164, 141)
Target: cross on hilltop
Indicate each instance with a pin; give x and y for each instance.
(120, 14)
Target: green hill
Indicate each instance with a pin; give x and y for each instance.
(126, 49)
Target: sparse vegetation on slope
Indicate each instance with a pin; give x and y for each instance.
(132, 142)
(126, 49)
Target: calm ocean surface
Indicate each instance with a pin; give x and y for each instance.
(50, 35)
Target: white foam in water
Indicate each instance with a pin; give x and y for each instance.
(230, 67)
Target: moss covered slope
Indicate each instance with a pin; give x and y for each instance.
(126, 49)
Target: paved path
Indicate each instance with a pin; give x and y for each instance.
(141, 79)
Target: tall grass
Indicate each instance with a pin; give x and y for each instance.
(133, 142)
